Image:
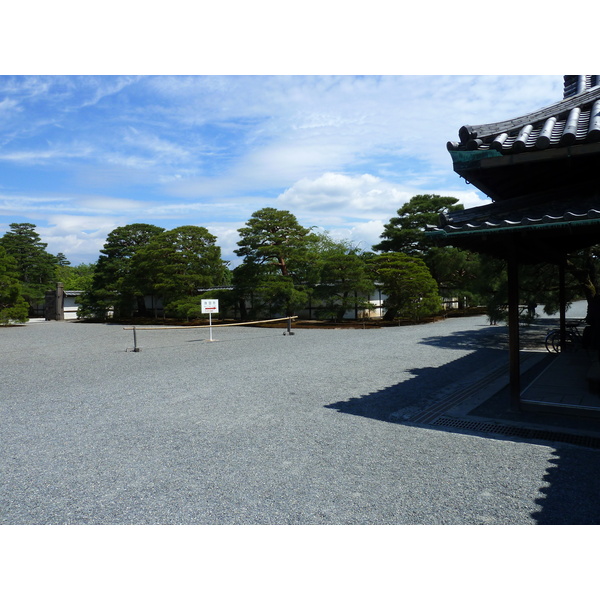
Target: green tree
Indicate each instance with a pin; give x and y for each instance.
(277, 258)
(411, 290)
(584, 268)
(538, 285)
(246, 278)
(61, 260)
(345, 281)
(113, 286)
(406, 232)
(176, 264)
(78, 277)
(35, 266)
(275, 240)
(13, 307)
(492, 286)
(478, 278)
(457, 272)
(280, 295)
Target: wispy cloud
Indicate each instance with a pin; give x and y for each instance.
(342, 152)
(49, 155)
(99, 88)
(7, 105)
(54, 203)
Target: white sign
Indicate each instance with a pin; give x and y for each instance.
(210, 306)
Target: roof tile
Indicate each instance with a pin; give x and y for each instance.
(573, 120)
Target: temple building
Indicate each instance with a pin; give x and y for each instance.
(541, 172)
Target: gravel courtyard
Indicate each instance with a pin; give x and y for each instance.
(257, 427)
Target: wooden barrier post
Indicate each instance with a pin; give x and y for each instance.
(135, 346)
(289, 326)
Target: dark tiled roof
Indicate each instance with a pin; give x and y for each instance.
(575, 84)
(573, 120)
(491, 217)
(541, 172)
(537, 234)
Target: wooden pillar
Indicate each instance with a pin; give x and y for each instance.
(562, 299)
(60, 302)
(513, 331)
(54, 304)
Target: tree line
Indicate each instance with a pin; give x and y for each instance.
(284, 268)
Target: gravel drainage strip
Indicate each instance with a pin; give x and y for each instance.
(513, 431)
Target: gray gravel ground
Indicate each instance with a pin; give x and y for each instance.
(257, 427)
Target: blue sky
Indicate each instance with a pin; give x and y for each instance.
(234, 108)
(81, 155)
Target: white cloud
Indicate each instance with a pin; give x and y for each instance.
(362, 196)
(337, 197)
(23, 203)
(364, 235)
(227, 238)
(367, 234)
(356, 207)
(80, 238)
(197, 210)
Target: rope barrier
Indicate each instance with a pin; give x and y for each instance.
(135, 327)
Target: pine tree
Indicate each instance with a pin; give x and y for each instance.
(13, 307)
(276, 251)
(35, 267)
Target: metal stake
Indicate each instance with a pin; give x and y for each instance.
(135, 348)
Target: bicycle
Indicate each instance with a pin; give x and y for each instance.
(573, 337)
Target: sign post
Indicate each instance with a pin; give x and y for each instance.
(210, 307)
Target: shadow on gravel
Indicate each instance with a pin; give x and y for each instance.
(415, 391)
(487, 346)
(495, 336)
(571, 493)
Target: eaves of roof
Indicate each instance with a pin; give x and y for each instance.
(574, 120)
(489, 159)
(526, 224)
(531, 242)
(513, 215)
